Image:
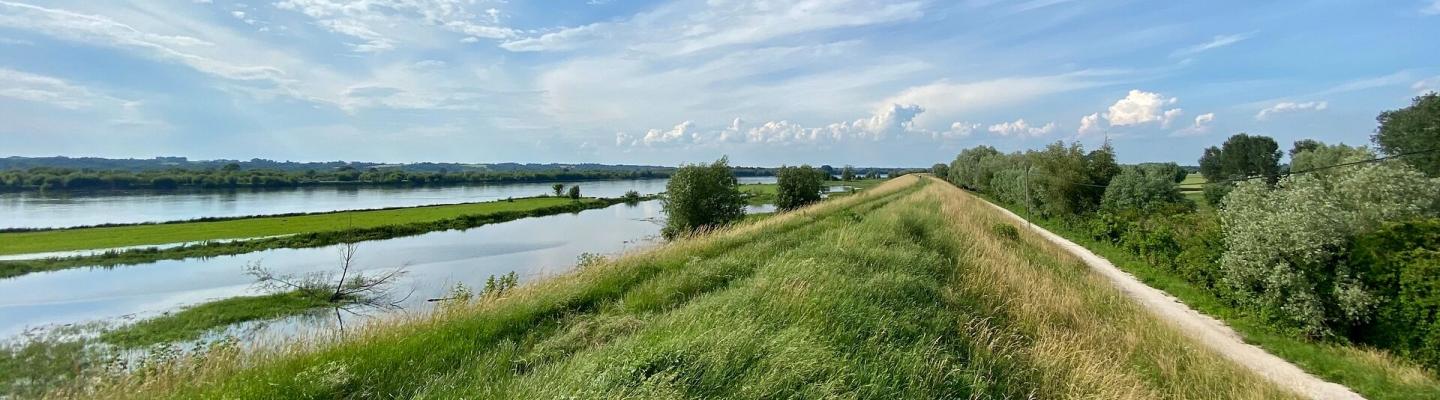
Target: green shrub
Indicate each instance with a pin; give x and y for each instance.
(702, 197)
(1005, 231)
(1142, 189)
(631, 197)
(797, 187)
(1401, 265)
(1284, 246)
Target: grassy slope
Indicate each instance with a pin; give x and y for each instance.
(191, 323)
(903, 291)
(1371, 373)
(134, 235)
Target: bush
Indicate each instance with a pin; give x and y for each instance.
(1401, 265)
(631, 197)
(1284, 245)
(574, 192)
(797, 187)
(1138, 189)
(702, 197)
(1006, 231)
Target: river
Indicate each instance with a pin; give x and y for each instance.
(62, 209)
(435, 262)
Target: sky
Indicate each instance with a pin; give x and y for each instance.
(892, 83)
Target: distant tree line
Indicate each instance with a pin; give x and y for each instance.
(1339, 244)
(46, 178)
(234, 176)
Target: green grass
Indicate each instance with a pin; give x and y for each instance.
(146, 234)
(1193, 182)
(1372, 373)
(760, 193)
(193, 322)
(898, 292)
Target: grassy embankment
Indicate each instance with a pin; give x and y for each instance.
(907, 290)
(1371, 373)
(305, 230)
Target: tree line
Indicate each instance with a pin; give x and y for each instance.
(1343, 243)
(231, 176)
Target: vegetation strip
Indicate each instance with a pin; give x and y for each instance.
(193, 322)
(310, 231)
(868, 296)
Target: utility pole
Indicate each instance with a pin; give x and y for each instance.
(1028, 212)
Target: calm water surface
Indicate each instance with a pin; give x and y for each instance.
(39, 210)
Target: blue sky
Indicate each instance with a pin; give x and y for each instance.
(664, 82)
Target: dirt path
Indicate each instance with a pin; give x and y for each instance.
(1203, 328)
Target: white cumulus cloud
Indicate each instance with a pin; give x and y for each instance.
(1140, 107)
(1021, 128)
(1200, 126)
(1089, 124)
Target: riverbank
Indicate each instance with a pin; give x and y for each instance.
(925, 304)
(308, 230)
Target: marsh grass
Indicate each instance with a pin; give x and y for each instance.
(902, 291)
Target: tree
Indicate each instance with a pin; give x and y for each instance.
(559, 189)
(847, 173)
(1170, 169)
(940, 170)
(700, 197)
(574, 192)
(1242, 156)
(1303, 145)
(1319, 155)
(797, 187)
(1410, 130)
(1143, 189)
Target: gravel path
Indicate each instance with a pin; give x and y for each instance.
(1208, 331)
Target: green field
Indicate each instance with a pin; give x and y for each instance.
(150, 234)
(1193, 183)
(760, 193)
(904, 291)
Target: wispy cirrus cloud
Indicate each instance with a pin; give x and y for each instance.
(1215, 42)
(1290, 107)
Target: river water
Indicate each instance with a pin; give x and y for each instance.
(435, 262)
(53, 210)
